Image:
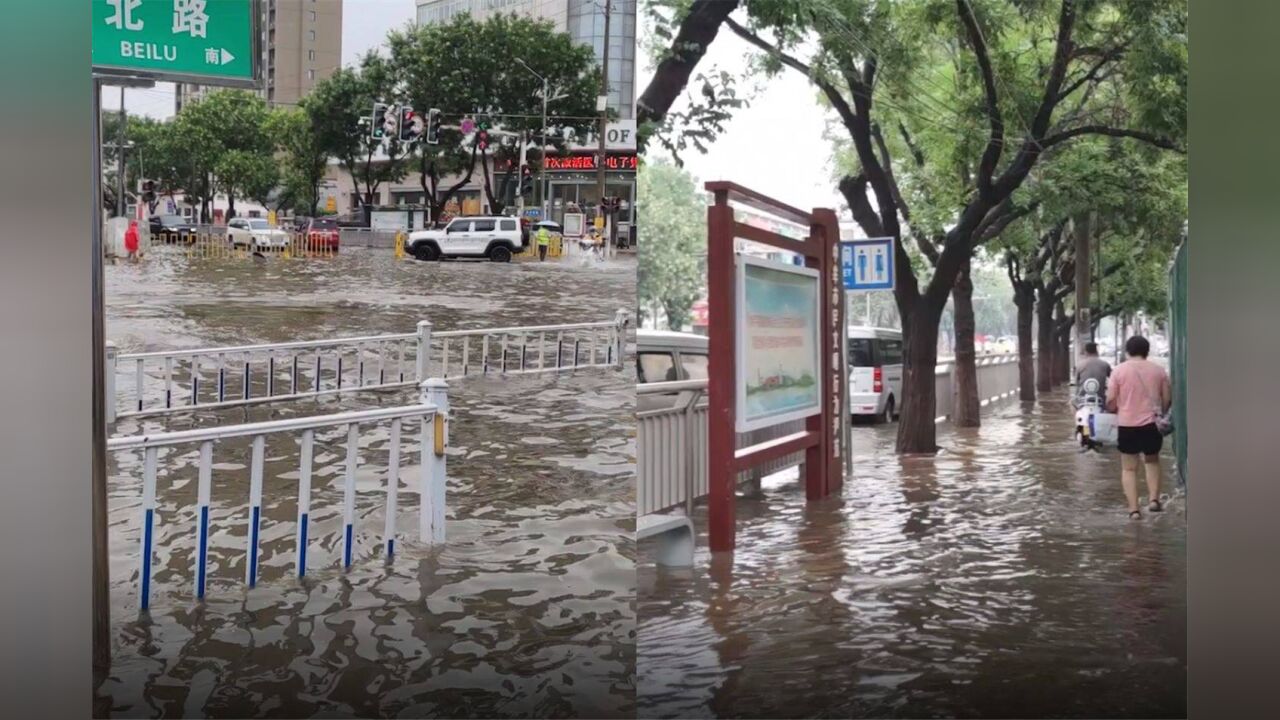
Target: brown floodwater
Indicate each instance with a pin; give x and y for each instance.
(1000, 578)
(528, 608)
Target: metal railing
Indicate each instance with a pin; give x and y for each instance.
(166, 381)
(997, 380)
(432, 412)
(671, 459)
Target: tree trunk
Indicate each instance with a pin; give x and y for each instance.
(1025, 299)
(967, 408)
(696, 32)
(1083, 230)
(1044, 342)
(1062, 366)
(917, 432)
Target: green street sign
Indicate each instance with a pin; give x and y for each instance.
(212, 42)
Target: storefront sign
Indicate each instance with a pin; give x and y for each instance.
(778, 364)
(618, 135)
(588, 162)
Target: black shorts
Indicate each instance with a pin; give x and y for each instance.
(1142, 440)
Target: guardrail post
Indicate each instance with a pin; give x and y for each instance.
(424, 349)
(433, 479)
(109, 384)
(620, 318)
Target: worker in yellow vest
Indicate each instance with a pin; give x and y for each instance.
(544, 242)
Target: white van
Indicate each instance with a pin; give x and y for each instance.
(875, 372)
(665, 356)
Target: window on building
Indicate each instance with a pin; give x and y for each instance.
(311, 74)
(311, 55)
(311, 34)
(313, 16)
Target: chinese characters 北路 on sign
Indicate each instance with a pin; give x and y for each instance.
(778, 358)
(208, 41)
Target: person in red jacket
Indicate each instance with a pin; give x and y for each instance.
(131, 241)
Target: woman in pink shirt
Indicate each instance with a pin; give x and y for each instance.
(1138, 392)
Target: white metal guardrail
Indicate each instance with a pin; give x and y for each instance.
(671, 461)
(152, 383)
(671, 464)
(997, 380)
(432, 412)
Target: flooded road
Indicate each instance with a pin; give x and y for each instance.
(529, 607)
(998, 579)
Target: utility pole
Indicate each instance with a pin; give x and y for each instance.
(1082, 229)
(601, 132)
(120, 159)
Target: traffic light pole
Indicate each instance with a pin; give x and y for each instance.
(542, 164)
(602, 129)
(120, 159)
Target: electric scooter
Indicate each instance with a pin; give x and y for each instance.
(1089, 404)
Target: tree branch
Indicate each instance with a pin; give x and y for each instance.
(916, 152)
(995, 144)
(697, 30)
(854, 189)
(1106, 57)
(1156, 140)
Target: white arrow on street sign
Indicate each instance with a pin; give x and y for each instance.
(227, 57)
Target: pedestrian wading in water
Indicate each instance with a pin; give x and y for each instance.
(1139, 393)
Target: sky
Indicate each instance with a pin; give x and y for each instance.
(774, 145)
(364, 25)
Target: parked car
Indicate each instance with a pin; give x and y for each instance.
(493, 237)
(322, 233)
(875, 372)
(664, 356)
(255, 234)
(171, 228)
(1006, 344)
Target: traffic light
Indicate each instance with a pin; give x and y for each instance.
(390, 121)
(526, 180)
(482, 134)
(378, 130)
(433, 126)
(148, 188)
(412, 125)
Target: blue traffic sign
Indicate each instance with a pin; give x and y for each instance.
(867, 264)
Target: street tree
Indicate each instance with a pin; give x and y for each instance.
(871, 58)
(238, 151)
(303, 158)
(466, 69)
(340, 108)
(672, 271)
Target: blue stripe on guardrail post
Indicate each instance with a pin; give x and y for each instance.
(146, 559)
(255, 508)
(393, 489)
(304, 498)
(148, 522)
(203, 487)
(349, 494)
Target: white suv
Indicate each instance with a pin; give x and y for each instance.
(493, 237)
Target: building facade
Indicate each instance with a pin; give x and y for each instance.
(301, 45)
